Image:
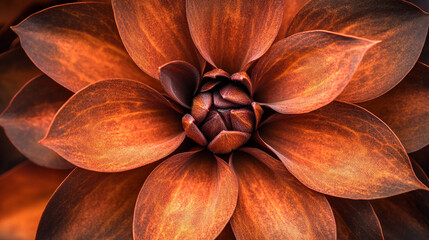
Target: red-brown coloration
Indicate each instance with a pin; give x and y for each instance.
(244, 79)
(307, 70)
(234, 94)
(405, 108)
(341, 150)
(115, 125)
(26, 120)
(25, 191)
(78, 44)
(191, 195)
(201, 105)
(180, 80)
(355, 219)
(400, 26)
(155, 32)
(15, 70)
(272, 204)
(247, 31)
(242, 120)
(101, 202)
(226, 141)
(192, 130)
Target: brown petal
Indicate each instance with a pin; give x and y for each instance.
(307, 70)
(25, 191)
(290, 9)
(242, 120)
(115, 125)
(356, 220)
(244, 79)
(341, 150)
(232, 34)
(213, 126)
(234, 94)
(400, 26)
(219, 102)
(26, 120)
(155, 32)
(257, 109)
(180, 80)
(273, 204)
(201, 105)
(92, 205)
(78, 44)
(191, 195)
(192, 130)
(405, 108)
(226, 141)
(226, 234)
(216, 73)
(15, 70)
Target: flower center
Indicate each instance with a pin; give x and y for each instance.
(221, 116)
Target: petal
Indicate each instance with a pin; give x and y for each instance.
(78, 44)
(405, 108)
(191, 195)
(26, 120)
(155, 32)
(226, 234)
(115, 125)
(180, 80)
(341, 150)
(15, 70)
(101, 202)
(400, 26)
(273, 204)
(232, 34)
(290, 9)
(405, 216)
(355, 219)
(307, 70)
(25, 191)
(227, 141)
(10, 156)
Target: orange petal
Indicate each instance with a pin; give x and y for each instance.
(405, 216)
(226, 234)
(91, 205)
(307, 70)
(355, 219)
(273, 204)
(15, 70)
(405, 108)
(227, 141)
(232, 34)
(191, 195)
(78, 44)
(290, 9)
(155, 32)
(26, 120)
(115, 125)
(400, 26)
(341, 150)
(25, 191)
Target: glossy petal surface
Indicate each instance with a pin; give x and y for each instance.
(25, 191)
(26, 120)
(115, 125)
(307, 70)
(102, 202)
(231, 34)
(78, 44)
(290, 9)
(15, 70)
(355, 220)
(191, 195)
(341, 150)
(180, 80)
(272, 204)
(400, 26)
(155, 32)
(405, 108)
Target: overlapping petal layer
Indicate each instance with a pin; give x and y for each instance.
(26, 120)
(191, 195)
(272, 204)
(400, 26)
(307, 70)
(231, 34)
(156, 32)
(290, 9)
(115, 125)
(405, 108)
(102, 202)
(341, 150)
(78, 44)
(25, 191)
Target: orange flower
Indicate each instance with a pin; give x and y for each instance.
(197, 119)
